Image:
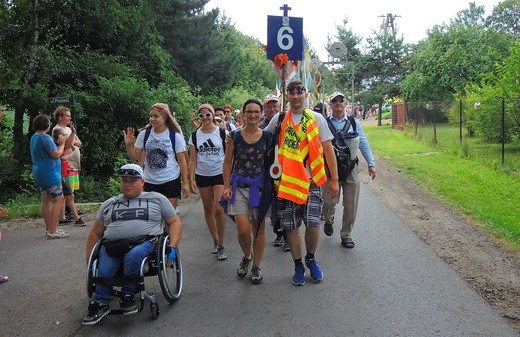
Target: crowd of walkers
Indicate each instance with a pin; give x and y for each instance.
(285, 166)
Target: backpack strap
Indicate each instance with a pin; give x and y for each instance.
(223, 137)
(194, 140)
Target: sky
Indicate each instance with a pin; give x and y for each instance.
(320, 18)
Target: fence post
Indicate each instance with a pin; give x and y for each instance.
(503, 135)
(460, 120)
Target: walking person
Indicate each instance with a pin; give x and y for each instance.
(46, 171)
(244, 174)
(207, 147)
(303, 140)
(161, 150)
(349, 136)
(271, 108)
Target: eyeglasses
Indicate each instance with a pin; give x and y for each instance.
(338, 100)
(300, 89)
(253, 112)
(206, 115)
(129, 172)
(226, 111)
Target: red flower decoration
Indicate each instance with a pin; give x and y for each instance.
(280, 60)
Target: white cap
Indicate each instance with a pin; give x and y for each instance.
(336, 94)
(131, 170)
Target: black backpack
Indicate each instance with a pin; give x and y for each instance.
(222, 136)
(341, 150)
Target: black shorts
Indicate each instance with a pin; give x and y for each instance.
(65, 186)
(170, 189)
(207, 181)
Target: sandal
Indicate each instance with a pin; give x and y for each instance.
(57, 235)
(3, 279)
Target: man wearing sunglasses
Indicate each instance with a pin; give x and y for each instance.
(303, 140)
(347, 128)
(133, 214)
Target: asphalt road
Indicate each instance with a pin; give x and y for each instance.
(391, 284)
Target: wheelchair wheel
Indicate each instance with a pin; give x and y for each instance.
(170, 274)
(92, 267)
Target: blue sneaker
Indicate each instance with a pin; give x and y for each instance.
(299, 275)
(316, 273)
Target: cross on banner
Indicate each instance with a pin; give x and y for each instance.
(285, 9)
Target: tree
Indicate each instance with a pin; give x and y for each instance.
(453, 57)
(505, 17)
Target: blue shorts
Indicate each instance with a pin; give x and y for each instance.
(291, 214)
(54, 191)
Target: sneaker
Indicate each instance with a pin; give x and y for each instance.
(286, 247)
(298, 278)
(221, 254)
(81, 212)
(127, 304)
(96, 311)
(328, 229)
(214, 250)
(316, 273)
(279, 241)
(79, 223)
(256, 275)
(65, 222)
(243, 267)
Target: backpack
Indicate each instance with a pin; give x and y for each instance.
(222, 136)
(341, 150)
(172, 139)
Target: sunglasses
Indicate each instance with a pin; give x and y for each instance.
(300, 89)
(129, 172)
(338, 100)
(206, 115)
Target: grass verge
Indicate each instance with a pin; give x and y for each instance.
(465, 175)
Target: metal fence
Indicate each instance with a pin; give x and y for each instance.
(494, 123)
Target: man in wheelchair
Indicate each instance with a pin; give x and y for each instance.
(128, 225)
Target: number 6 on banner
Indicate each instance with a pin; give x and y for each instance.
(284, 34)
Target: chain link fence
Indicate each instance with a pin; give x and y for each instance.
(489, 129)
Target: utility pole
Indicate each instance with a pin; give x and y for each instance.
(389, 23)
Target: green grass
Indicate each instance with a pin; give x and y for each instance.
(468, 176)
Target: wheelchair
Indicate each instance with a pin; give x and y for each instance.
(156, 264)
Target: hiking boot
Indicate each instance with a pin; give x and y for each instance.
(286, 247)
(328, 229)
(96, 311)
(279, 241)
(221, 253)
(316, 273)
(214, 250)
(243, 267)
(256, 275)
(127, 304)
(298, 278)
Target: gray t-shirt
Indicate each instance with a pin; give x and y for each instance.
(128, 218)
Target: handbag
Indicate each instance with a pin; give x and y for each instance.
(118, 248)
